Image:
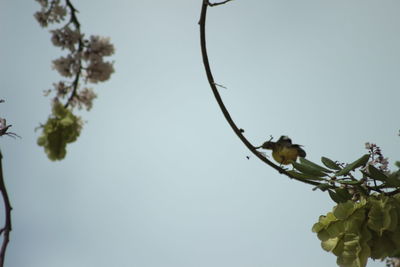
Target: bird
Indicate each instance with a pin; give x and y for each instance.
(283, 151)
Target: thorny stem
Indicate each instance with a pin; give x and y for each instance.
(5, 231)
(74, 20)
(238, 132)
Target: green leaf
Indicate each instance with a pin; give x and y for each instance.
(349, 182)
(343, 193)
(394, 219)
(323, 187)
(361, 189)
(303, 176)
(330, 244)
(354, 165)
(323, 222)
(343, 210)
(336, 229)
(335, 197)
(323, 235)
(379, 218)
(395, 237)
(355, 221)
(365, 252)
(314, 166)
(306, 169)
(376, 174)
(330, 164)
(351, 246)
(317, 227)
(393, 180)
(338, 250)
(381, 246)
(340, 195)
(355, 252)
(328, 219)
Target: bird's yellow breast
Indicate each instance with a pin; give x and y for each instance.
(285, 155)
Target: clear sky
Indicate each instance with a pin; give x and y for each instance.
(157, 177)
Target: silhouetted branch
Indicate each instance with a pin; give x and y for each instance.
(238, 132)
(5, 231)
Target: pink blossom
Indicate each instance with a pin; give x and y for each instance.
(99, 71)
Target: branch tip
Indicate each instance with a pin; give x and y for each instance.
(217, 4)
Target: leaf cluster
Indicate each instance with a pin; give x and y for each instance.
(61, 128)
(342, 183)
(357, 230)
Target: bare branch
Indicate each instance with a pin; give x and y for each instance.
(5, 231)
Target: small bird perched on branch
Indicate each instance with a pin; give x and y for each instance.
(283, 151)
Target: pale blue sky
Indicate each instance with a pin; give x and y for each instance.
(157, 178)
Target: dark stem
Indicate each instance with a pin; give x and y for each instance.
(238, 132)
(74, 20)
(5, 231)
(392, 193)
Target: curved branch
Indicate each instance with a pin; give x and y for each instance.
(5, 231)
(238, 132)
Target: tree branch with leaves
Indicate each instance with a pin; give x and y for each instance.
(83, 64)
(365, 223)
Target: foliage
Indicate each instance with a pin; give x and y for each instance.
(83, 64)
(357, 230)
(61, 128)
(365, 223)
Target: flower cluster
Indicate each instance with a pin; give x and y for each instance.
(67, 66)
(377, 158)
(4, 127)
(85, 61)
(66, 38)
(50, 12)
(83, 99)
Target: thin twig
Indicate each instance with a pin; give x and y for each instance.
(217, 4)
(5, 231)
(202, 23)
(220, 85)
